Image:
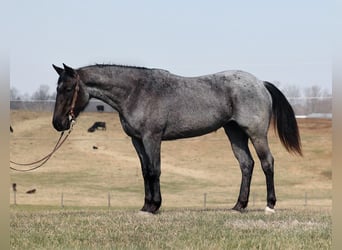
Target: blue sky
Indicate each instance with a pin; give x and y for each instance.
(288, 41)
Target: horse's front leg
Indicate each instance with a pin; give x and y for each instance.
(148, 150)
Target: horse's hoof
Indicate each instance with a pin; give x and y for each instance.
(269, 210)
(239, 209)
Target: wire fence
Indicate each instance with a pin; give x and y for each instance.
(209, 200)
(307, 199)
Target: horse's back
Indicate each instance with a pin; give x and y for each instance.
(199, 105)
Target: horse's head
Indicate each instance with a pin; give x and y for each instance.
(71, 97)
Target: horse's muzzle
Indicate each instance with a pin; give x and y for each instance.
(61, 124)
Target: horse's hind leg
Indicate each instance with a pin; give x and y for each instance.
(267, 164)
(239, 142)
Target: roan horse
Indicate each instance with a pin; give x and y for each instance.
(155, 105)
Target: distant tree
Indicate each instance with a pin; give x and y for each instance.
(292, 91)
(277, 83)
(25, 97)
(53, 95)
(14, 94)
(317, 101)
(313, 91)
(42, 93)
(326, 93)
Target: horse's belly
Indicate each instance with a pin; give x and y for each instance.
(184, 128)
(186, 134)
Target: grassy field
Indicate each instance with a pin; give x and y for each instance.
(72, 228)
(190, 168)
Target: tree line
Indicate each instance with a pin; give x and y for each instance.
(41, 94)
(309, 100)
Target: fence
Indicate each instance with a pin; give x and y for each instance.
(306, 200)
(312, 106)
(308, 106)
(209, 201)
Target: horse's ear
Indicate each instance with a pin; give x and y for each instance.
(70, 71)
(58, 69)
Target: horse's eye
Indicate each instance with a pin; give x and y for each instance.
(69, 89)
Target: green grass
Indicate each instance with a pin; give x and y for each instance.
(40, 227)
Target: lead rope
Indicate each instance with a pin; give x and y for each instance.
(43, 160)
(60, 141)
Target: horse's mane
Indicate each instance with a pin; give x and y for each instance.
(105, 65)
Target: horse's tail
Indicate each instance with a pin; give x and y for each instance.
(284, 120)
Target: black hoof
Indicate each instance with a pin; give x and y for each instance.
(151, 207)
(240, 207)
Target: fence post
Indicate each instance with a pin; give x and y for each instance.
(306, 199)
(14, 187)
(108, 200)
(15, 197)
(62, 200)
(205, 200)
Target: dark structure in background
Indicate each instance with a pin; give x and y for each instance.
(97, 125)
(100, 108)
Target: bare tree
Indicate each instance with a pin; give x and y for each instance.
(277, 83)
(42, 93)
(53, 95)
(313, 91)
(14, 94)
(292, 91)
(318, 100)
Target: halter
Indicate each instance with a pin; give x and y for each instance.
(74, 99)
(60, 141)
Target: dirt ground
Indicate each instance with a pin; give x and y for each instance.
(190, 167)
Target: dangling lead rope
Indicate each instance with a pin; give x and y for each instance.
(60, 141)
(42, 161)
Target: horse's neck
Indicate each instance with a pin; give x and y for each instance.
(110, 86)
